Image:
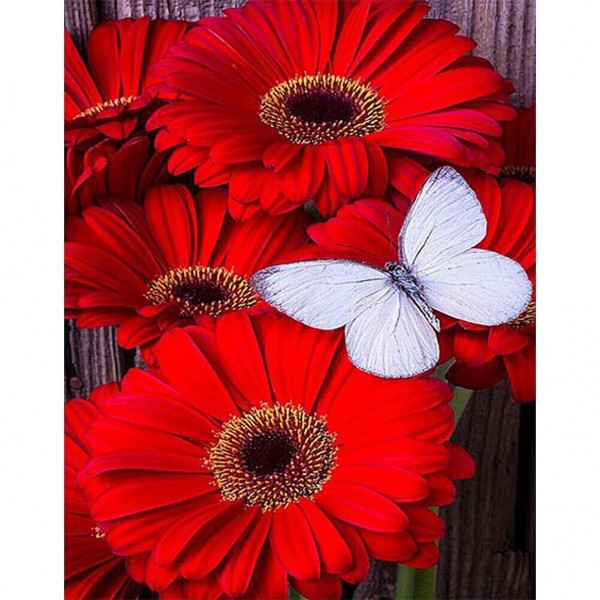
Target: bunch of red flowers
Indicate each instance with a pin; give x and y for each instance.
(251, 455)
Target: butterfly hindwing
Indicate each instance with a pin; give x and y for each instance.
(393, 338)
(478, 286)
(325, 294)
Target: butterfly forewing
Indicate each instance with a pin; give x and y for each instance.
(325, 294)
(444, 220)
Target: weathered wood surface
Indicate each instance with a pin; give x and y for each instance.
(489, 548)
(188, 10)
(92, 358)
(80, 17)
(505, 34)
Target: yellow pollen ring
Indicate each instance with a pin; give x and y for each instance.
(307, 467)
(526, 318)
(98, 108)
(98, 533)
(363, 108)
(202, 290)
(525, 174)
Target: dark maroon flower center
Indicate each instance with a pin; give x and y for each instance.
(322, 106)
(269, 452)
(201, 292)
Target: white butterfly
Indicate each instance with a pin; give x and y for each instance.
(388, 313)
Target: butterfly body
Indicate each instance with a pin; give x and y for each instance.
(388, 311)
(408, 284)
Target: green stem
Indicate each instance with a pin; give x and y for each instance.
(313, 213)
(425, 584)
(405, 583)
(415, 584)
(294, 595)
(459, 402)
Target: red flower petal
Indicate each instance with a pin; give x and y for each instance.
(136, 331)
(326, 588)
(461, 465)
(175, 206)
(291, 523)
(425, 525)
(103, 57)
(359, 551)
(471, 347)
(399, 485)
(390, 547)
(270, 581)
(240, 567)
(521, 373)
(216, 538)
(148, 492)
(506, 340)
(333, 549)
(479, 377)
(183, 532)
(188, 370)
(362, 507)
(427, 556)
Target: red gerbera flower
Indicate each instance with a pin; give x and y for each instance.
(91, 568)
(112, 170)
(487, 355)
(294, 101)
(175, 260)
(106, 99)
(247, 460)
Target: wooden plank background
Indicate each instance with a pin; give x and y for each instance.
(489, 548)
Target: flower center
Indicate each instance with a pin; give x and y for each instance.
(526, 318)
(313, 109)
(269, 452)
(98, 108)
(272, 456)
(322, 106)
(524, 174)
(202, 291)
